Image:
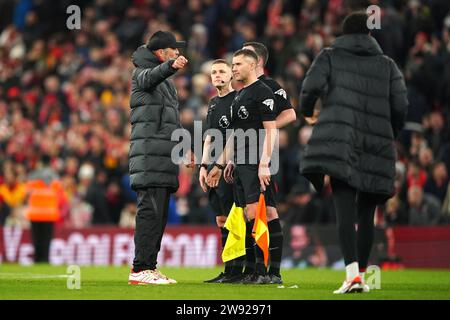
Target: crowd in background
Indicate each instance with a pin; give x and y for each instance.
(64, 99)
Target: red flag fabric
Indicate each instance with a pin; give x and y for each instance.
(260, 230)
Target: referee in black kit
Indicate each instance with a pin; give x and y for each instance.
(283, 109)
(252, 109)
(285, 114)
(221, 197)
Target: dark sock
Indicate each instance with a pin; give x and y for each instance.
(228, 264)
(260, 268)
(249, 248)
(238, 265)
(275, 246)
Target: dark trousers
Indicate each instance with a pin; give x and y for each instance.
(151, 220)
(41, 235)
(353, 207)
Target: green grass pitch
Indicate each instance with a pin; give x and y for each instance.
(50, 282)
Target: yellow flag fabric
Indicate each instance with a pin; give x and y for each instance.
(235, 244)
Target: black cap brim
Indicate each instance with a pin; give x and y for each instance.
(180, 44)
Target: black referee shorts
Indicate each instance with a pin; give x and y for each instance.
(247, 187)
(221, 198)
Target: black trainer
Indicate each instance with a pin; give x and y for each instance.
(238, 279)
(256, 279)
(275, 279)
(245, 277)
(216, 279)
(232, 278)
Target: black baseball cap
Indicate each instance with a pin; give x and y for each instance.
(164, 39)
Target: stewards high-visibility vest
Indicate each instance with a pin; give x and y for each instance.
(43, 203)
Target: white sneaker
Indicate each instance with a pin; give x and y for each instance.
(146, 277)
(365, 287)
(350, 286)
(162, 276)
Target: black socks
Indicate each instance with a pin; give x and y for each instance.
(275, 246)
(249, 248)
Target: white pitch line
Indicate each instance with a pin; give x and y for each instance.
(32, 276)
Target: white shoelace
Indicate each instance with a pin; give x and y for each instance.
(162, 276)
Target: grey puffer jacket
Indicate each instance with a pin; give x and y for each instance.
(154, 116)
(364, 105)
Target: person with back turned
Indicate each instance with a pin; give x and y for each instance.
(364, 104)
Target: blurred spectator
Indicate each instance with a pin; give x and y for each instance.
(131, 28)
(45, 201)
(12, 193)
(304, 250)
(293, 158)
(437, 134)
(437, 181)
(302, 209)
(65, 94)
(128, 216)
(446, 207)
(426, 159)
(417, 143)
(93, 192)
(416, 175)
(423, 209)
(395, 213)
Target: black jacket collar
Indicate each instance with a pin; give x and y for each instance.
(144, 58)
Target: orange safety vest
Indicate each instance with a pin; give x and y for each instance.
(43, 201)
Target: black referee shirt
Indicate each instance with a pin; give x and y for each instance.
(282, 101)
(252, 105)
(219, 114)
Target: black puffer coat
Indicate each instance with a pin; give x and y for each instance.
(154, 116)
(364, 105)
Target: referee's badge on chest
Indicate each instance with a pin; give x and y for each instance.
(224, 122)
(242, 112)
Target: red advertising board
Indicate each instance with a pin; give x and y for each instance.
(424, 247)
(199, 246)
(181, 246)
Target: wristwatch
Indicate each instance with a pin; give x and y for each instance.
(221, 167)
(204, 165)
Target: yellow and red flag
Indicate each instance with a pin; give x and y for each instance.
(260, 230)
